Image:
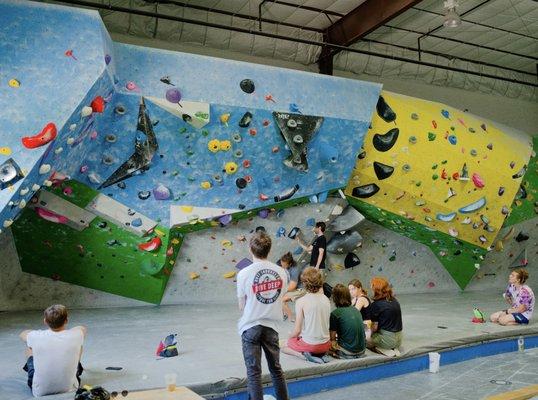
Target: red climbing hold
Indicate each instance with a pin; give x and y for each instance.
(47, 135)
(98, 104)
(263, 197)
(153, 244)
(434, 124)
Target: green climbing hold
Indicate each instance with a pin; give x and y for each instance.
(444, 162)
(418, 183)
(431, 136)
(182, 130)
(414, 116)
(452, 128)
(434, 166)
(205, 132)
(406, 167)
(435, 177)
(472, 130)
(473, 152)
(412, 139)
(392, 258)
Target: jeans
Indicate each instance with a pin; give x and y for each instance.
(254, 340)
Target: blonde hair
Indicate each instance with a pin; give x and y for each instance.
(312, 279)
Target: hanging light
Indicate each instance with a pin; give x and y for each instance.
(451, 19)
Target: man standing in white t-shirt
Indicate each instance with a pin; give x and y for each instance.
(53, 355)
(260, 289)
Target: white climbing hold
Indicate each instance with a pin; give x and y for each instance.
(35, 187)
(72, 127)
(70, 140)
(86, 111)
(58, 150)
(22, 203)
(47, 183)
(7, 223)
(24, 191)
(94, 178)
(44, 169)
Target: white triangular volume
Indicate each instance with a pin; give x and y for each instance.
(198, 112)
(182, 214)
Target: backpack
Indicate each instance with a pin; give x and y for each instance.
(168, 346)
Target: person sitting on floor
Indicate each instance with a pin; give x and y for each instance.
(360, 300)
(295, 287)
(520, 298)
(310, 338)
(346, 326)
(386, 316)
(53, 355)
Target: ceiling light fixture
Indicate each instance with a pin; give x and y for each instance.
(451, 19)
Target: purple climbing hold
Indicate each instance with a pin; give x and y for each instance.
(107, 59)
(173, 95)
(225, 219)
(245, 262)
(161, 192)
(263, 213)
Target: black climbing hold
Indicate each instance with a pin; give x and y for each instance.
(521, 193)
(386, 141)
(457, 252)
(365, 191)
(384, 110)
(521, 237)
(102, 224)
(144, 194)
(247, 86)
(293, 232)
(245, 120)
(122, 185)
(382, 171)
(351, 260)
(187, 118)
(241, 183)
(361, 155)
(260, 229)
(241, 206)
(501, 191)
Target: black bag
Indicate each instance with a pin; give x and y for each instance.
(327, 290)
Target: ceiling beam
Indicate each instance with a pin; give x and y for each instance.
(359, 22)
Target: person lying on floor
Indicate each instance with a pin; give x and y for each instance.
(295, 287)
(53, 355)
(310, 337)
(386, 317)
(360, 300)
(520, 298)
(346, 326)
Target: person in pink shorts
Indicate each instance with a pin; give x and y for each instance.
(310, 339)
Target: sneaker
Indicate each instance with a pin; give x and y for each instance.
(397, 352)
(326, 359)
(311, 358)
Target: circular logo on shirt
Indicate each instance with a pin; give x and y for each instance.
(267, 286)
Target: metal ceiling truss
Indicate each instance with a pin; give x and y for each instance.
(330, 48)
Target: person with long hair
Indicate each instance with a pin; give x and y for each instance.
(310, 339)
(295, 287)
(520, 297)
(360, 300)
(346, 326)
(386, 316)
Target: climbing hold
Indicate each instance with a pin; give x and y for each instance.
(382, 171)
(173, 95)
(406, 167)
(351, 261)
(471, 208)
(161, 192)
(453, 139)
(412, 139)
(365, 191)
(490, 146)
(287, 194)
(98, 104)
(484, 128)
(144, 194)
(110, 138)
(47, 134)
(93, 177)
(44, 168)
(137, 222)
(236, 137)
(384, 111)
(51, 216)
(455, 176)
(225, 145)
(505, 210)
(473, 152)
(477, 180)
(520, 173)
(275, 149)
(224, 118)
(444, 175)
(241, 183)
(247, 86)
(245, 120)
(193, 275)
(445, 217)
(205, 185)
(230, 168)
(14, 83)
(131, 86)
(361, 155)
(119, 109)
(152, 245)
(58, 150)
(386, 141)
(472, 130)
(86, 111)
(246, 163)
(229, 275)
(521, 237)
(213, 145)
(7, 223)
(431, 136)
(414, 116)
(252, 132)
(512, 164)
(435, 177)
(445, 114)
(281, 231)
(238, 153)
(452, 232)
(482, 239)
(107, 159)
(225, 219)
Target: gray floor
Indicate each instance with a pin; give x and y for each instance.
(210, 348)
(469, 380)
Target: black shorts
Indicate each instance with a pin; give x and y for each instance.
(29, 367)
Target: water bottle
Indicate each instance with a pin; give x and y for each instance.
(521, 344)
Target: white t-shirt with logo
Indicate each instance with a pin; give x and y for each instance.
(264, 284)
(56, 357)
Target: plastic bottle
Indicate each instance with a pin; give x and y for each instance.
(521, 344)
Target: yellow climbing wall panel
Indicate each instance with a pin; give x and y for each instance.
(446, 169)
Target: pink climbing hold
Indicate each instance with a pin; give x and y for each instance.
(477, 180)
(51, 216)
(431, 284)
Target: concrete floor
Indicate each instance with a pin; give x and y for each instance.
(210, 350)
(468, 380)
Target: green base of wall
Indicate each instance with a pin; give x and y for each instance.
(459, 257)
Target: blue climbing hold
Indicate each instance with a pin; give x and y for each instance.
(294, 108)
(297, 251)
(281, 232)
(137, 222)
(322, 197)
(445, 114)
(310, 222)
(453, 139)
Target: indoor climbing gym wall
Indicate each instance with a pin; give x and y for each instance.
(439, 176)
(146, 146)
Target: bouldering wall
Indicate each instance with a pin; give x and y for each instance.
(440, 176)
(152, 141)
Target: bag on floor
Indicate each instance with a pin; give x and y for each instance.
(95, 393)
(168, 346)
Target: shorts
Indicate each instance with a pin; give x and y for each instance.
(520, 318)
(386, 339)
(29, 367)
(345, 354)
(298, 344)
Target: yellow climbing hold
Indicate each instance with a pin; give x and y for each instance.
(175, 241)
(225, 145)
(230, 168)
(5, 151)
(229, 275)
(193, 275)
(213, 145)
(224, 118)
(205, 185)
(158, 232)
(338, 267)
(226, 243)
(499, 245)
(186, 209)
(14, 83)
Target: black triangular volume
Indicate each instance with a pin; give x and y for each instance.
(384, 111)
(382, 171)
(365, 191)
(386, 141)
